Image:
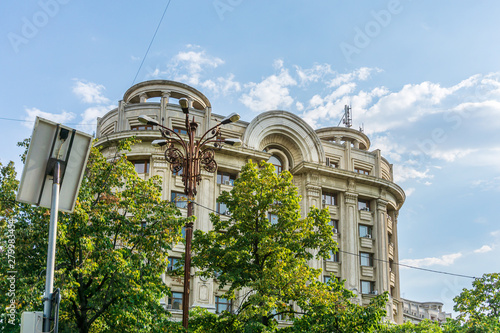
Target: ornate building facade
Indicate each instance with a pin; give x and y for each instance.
(332, 167)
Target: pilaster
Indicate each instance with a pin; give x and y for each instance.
(163, 107)
(349, 225)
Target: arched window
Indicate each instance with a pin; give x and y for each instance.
(278, 165)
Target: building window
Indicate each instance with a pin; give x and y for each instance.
(335, 225)
(331, 163)
(180, 130)
(222, 208)
(141, 127)
(175, 301)
(174, 263)
(179, 199)
(278, 165)
(329, 199)
(334, 256)
(141, 166)
(273, 218)
(365, 231)
(366, 259)
(362, 171)
(367, 287)
(364, 204)
(143, 224)
(225, 178)
(222, 304)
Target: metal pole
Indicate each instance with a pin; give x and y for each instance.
(187, 268)
(51, 253)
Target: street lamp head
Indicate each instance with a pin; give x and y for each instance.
(159, 143)
(233, 142)
(233, 117)
(184, 103)
(148, 120)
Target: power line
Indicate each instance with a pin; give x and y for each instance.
(32, 121)
(381, 260)
(151, 43)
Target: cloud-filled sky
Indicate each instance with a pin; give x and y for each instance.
(422, 78)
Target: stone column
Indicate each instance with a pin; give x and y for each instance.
(381, 241)
(349, 233)
(163, 107)
(143, 98)
(397, 290)
(120, 126)
(208, 116)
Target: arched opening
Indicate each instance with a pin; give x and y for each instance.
(276, 162)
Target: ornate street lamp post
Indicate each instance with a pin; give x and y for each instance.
(190, 156)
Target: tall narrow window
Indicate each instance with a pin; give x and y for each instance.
(329, 199)
(179, 199)
(363, 204)
(175, 301)
(367, 287)
(365, 231)
(141, 166)
(278, 165)
(335, 225)
(366, 259)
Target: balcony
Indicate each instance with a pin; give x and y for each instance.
(393, 279)
(389, 224)
(391, 251)
(365, 215)
(366, 242)
(332, 266)
(367, 271)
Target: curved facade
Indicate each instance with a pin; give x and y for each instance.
(332, 167)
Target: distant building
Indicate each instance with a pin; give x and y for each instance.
(332, 168)
(415, 312)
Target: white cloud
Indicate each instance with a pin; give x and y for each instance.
(222, 85)
(89, 92)
(32, 113)
(89, 116)
(484, 249)
(444, 260)
(409, 191)
(405, 172)
(271, 93)
(360, 74)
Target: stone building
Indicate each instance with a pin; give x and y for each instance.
(332, 167)
(415, 312)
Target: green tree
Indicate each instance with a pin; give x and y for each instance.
(261, 253)
(111, 251)
(479, 307)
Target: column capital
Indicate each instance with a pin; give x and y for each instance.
(351, 198)
(165, 93)
(313, 191)
(382, 204)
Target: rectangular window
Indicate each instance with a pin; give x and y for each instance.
(365, 231)
(334, 257)
(273, 218)
(141, 128)
(225, 178)
(175, 301)
(335, 225)
(222, 304)
(366, 259)
(180, 130)
(222, 209)
(364, 204)
(367, 287)
(331, 163)
(329, 199)
(174, 263)
(179, 199)
(143, 224)
(141, 166)
(362, 171)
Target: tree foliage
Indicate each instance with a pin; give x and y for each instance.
(111, 251)
(261, 253)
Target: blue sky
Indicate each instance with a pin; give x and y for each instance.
(422, 77)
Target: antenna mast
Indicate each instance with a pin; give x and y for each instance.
(347, 117)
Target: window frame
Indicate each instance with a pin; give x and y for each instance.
(172, 262)
(329, 198)
(362, 171)
(223, 176)
(335, 225)
(371, 288)
(366, 259)
(228, 304)
(179, 130)
(144, 127)
(172, 300)
(369, 231)
(364, 204)
(181, 203)
(146, 162)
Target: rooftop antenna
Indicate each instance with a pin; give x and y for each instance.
(347, 117)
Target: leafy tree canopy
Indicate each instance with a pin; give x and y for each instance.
(111, 251)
